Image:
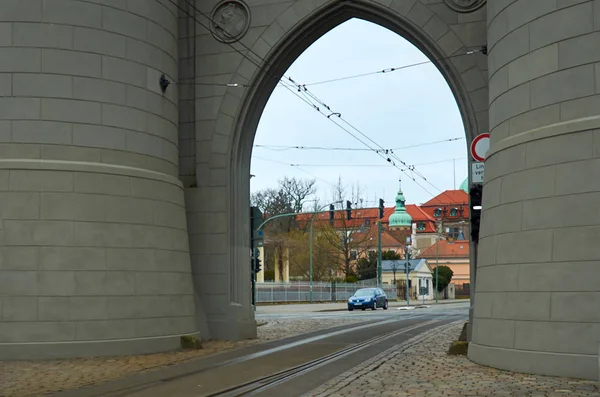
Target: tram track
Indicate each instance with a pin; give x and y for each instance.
(262, 384)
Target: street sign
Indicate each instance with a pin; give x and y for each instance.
(480, 146)
(477, 172)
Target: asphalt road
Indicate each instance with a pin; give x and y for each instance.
(214, 375)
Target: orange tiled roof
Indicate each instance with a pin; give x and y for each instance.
(446, 249)
(449, 197)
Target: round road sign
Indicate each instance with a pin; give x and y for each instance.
(480, 146)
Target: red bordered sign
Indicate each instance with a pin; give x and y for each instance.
(480, 146)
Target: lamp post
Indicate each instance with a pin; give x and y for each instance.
(407, 255)
(310, 247)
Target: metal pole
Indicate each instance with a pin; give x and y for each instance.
(424, 282)
(437, 251)
(379, 255)
(407, 282)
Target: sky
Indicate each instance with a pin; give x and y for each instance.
(405, 110)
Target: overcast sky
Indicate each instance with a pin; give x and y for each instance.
(409, 107)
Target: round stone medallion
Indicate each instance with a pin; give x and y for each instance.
(230, 21)
(465, 5)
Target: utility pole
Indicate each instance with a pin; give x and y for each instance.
(437, 257)
(407, 255)
(379, 255)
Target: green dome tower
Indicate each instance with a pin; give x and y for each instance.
(400, 218)
(465, 185)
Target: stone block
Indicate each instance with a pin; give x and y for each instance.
(99, 42)
(25, 232)
(130, 259)
(435, 28)
(99, 90)
(497, 278)
(403, 7)
(576, 244)
(41, 35)
(162, 128)
(164, 326)
(73, 206)
(577, 306)
(512, 46)
(12, 108)
(15, 205)
(17, 10)
(32, 331)
(158, 36)
(506, 162)
(71, 110)
(559, 276)
(56, 283)
(497, 333)
(105, 329)
(525, 247)
(5, 91)
(158, 283)
(560, 149)
(505, 218)
(580, 107)
(95, 234)
(533, 119)
(450, 43)
(531, 306)
(522, 12)
(124, 71)
(581, 210)
(577, 177)
(72, 12)
(123, 117)
(18, 283)
(42, 132)
(71, 63)
(556, 337)
(124, 23)
(72, 258)
(513, 102)
(53, 308)
(70, 153)
(116, 185)
(129, 159)
(157, 190)
(19, 258)
(88, 308)
(551, 28)
(167, 214)
(562, 86)
(528, 185)
(533, 65)
(99, 136)
(578, 50)
(172, 261)
(41, 181)
(20, 60)
(129, 210)
(485, 303)
(19, 308)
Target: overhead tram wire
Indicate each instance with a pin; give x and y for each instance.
(280, 81)
(302, 147)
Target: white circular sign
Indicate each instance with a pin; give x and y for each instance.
(480, 146)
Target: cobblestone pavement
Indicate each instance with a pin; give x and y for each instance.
(420, 367)
(37, 378)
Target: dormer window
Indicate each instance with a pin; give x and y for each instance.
(437, 212)
(420, 225)
(454, 212)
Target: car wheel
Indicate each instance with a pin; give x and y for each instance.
(350, 309)
(385, 307)
(363, 309)
(374, 306)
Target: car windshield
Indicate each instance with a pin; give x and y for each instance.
(365, 292)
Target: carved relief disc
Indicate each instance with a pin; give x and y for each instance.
(230, 21)
(465, 5)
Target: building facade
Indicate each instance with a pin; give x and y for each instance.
(125, 219)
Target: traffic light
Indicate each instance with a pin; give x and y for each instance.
(381, 208)
(348, 210)
(475, 210)
(257, 261)
(331, 213)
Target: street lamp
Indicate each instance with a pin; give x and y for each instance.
(407, 256)
(310, 249)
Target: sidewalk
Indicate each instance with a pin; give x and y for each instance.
(326, 307)
(420, 367)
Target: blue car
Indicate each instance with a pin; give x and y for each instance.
(368, 298)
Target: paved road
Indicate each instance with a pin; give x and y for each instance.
(213, 375)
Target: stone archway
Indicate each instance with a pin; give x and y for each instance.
(278, 34)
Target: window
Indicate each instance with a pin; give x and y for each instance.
(353, 255)
(367, 222)
(437, 212)
(454, 212)
(420, 225)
